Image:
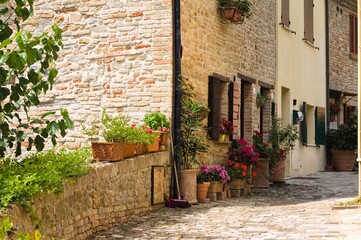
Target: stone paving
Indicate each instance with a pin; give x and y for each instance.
(299, 209)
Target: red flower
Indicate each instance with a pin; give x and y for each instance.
(229, 153)
(244, 166)
(229, 163)
(133, 125)
(258, 134)
(235, 158)
(237, 165)
(254, 174)
(244, 174)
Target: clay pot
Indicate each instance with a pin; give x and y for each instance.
(202, 190)
(188, 185)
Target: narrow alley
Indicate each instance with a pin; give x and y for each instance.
(299, 209)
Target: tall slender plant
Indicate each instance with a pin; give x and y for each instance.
(192, 115)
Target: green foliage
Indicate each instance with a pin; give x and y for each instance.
(6, 227)
(156, 121)
(26, 71)
(345, 137)
(192, 115)
(37, 173)
(283, 140)
(118, 129)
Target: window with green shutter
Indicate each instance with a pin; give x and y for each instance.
(320, 129)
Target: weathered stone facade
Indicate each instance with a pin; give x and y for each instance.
(117, 55)
(211, 45)
(343, 64)
(108, 195)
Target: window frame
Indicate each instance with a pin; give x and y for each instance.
(353, 35)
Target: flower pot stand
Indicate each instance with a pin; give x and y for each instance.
(237, 187)
(214, 189)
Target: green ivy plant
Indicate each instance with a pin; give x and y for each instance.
(26, 71)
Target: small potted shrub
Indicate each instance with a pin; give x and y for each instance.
(158, 122)
(343, 145)
(283, 140)
(203, 183)
(218, 175)
(239, 174)
(234, 11)
(225, 129)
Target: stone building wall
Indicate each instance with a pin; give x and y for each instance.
(108, 195)
(210, 45)
(343, 66)
(117, 55)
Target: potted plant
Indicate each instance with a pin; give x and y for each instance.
(262, 177)
(218, 175)
(158, 121)
(225, 129)
(283, 140)
(238, 173)
(260, 100)
(192, 143)
(234, 11)
(203, 183)
(145, 140)
(343, 144)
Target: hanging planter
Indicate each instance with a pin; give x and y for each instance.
(234, 11)
(260, 100)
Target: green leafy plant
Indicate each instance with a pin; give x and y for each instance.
(156, 121)
(27, 71)
(192, 116)
(283, 140)
(345, 137)
(6, 228)
(237, 170)
(260, 147)
(40, 172)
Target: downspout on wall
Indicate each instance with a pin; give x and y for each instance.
(177, 94)
(328, 153)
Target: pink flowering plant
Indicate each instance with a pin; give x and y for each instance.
(243, 152)
(215, 173)
(226, 127)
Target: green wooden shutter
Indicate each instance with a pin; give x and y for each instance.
(214, 104)
(304, 124)
(320, 116)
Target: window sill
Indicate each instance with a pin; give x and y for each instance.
(311, 145)
(223, 142)
(310, 44)
(287, 28)
(353, 56)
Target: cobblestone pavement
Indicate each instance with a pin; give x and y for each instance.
(299, 209)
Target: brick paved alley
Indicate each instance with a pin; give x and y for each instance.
(299, 209)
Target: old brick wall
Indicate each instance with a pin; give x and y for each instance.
(343, 67)
(108, 195)
(117, 55)
(212, 46)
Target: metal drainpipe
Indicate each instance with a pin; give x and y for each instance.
(328, 155)
(176, 86)
(358, 94)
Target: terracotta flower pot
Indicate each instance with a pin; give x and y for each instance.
(155, 146)
(238, 184)
(164, 138)
(261, 180)
(108, 151)
(343, 160)
(202, 190)
(129, 149)
(278, 172)
(188, 185)
(140, 149)
(215, 187)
